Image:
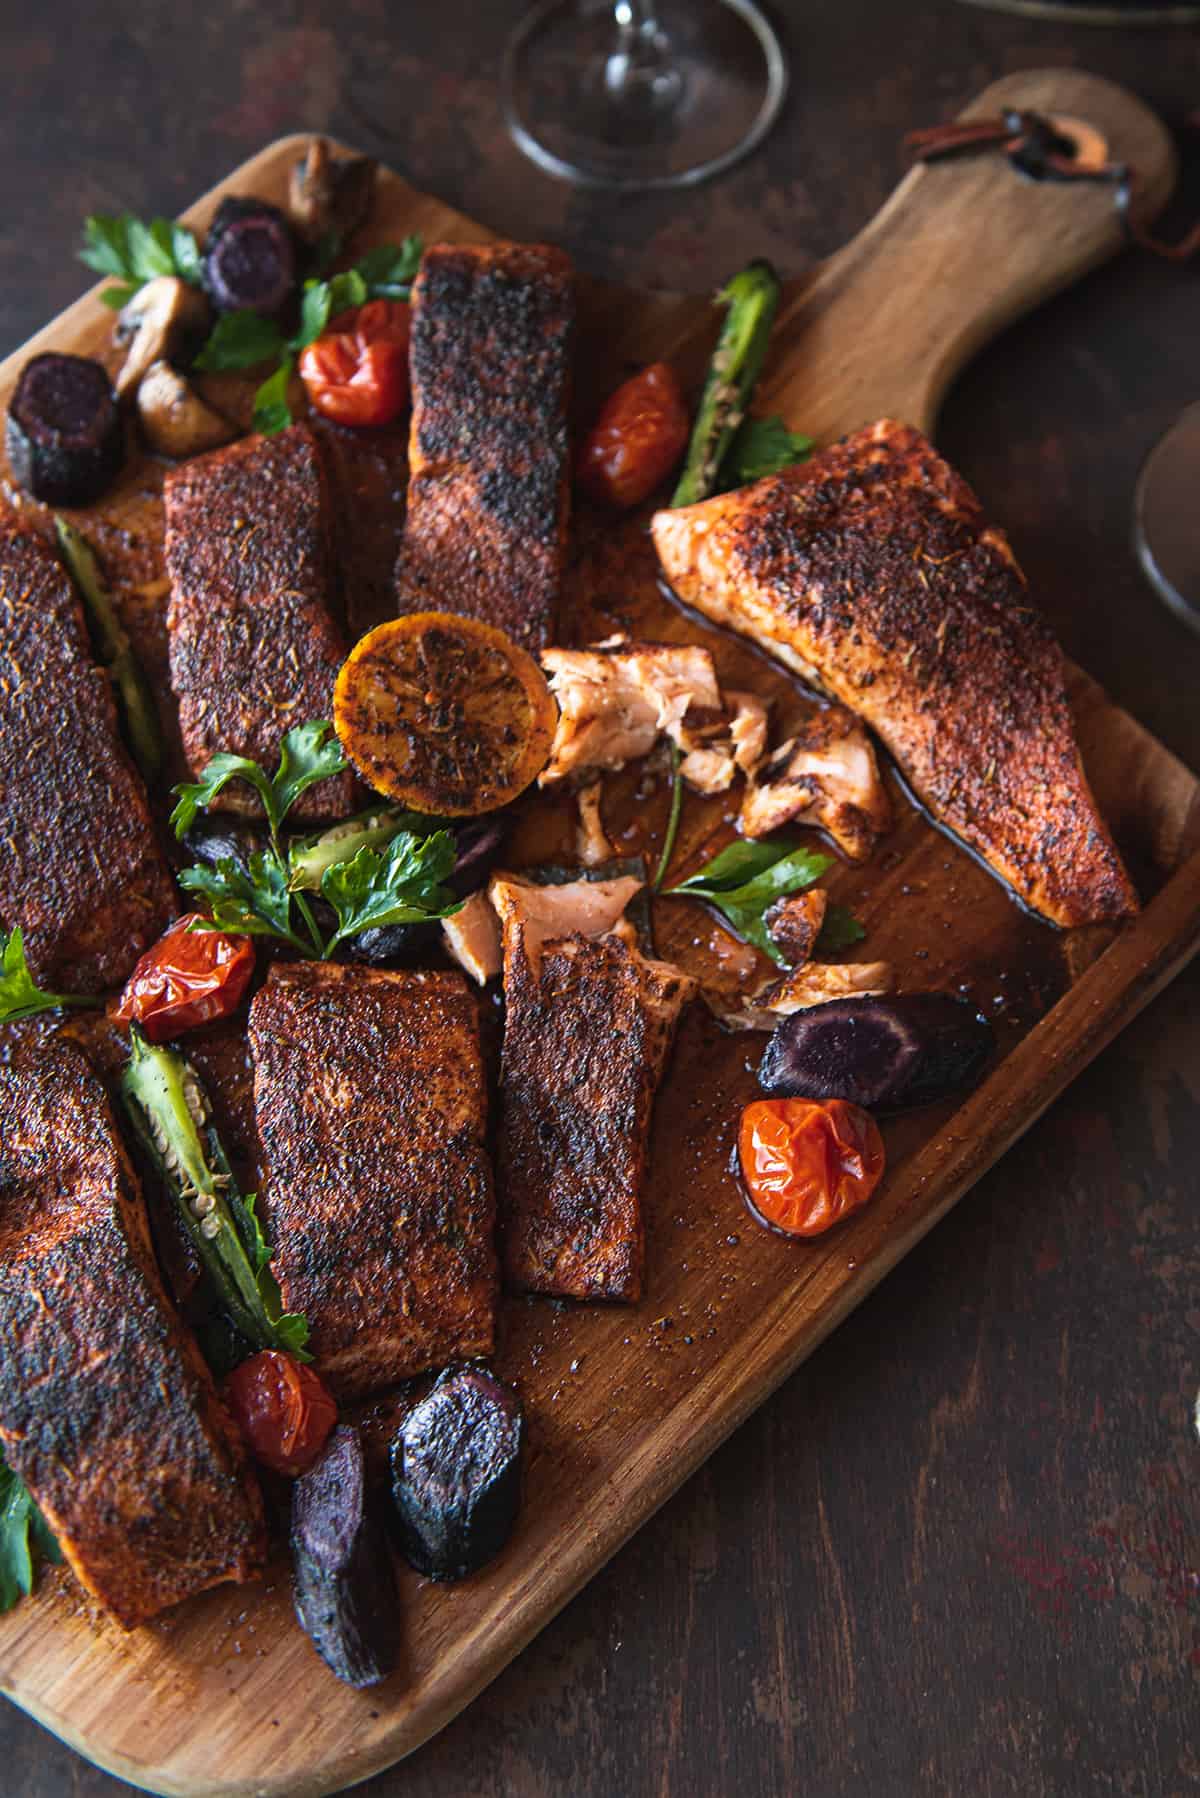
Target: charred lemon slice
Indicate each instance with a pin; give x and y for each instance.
(445, 714)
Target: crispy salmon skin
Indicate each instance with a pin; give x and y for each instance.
(81, 870)
(107, 1411)
(371, 1108)
(872, 572)
(486, 531)
(254, 645)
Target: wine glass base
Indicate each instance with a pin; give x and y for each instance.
(707, 99)
(1166, 524)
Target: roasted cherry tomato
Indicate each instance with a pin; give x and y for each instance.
(638, 438)
(357, 373)
(808, 1164)
(187, 978)
(282, 1408)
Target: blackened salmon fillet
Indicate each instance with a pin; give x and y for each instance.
(255, 648)
(873, 573)
(81, 871)
(371, 1109)
(486, 531)
(107, 1411)
(588, 1026)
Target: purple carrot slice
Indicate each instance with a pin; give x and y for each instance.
(456, 1473)
(250, 258)
(65, 436)
(884, 1054)
(345, 1588)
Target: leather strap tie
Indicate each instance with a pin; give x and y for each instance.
(1035, 146)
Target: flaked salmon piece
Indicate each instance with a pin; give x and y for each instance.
(591, 838)
(809, 985)
(589, 908)
(872, 573)
(826, 776)
(794, 924)
(107, 1411)
(731, 744)
(617, 698)
(747, 729)
(589, 1022)
(489, 489)
(817, 981)
(472, 937)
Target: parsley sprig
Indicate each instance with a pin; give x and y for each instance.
(123, 246)
(390, 870)
(20, 995)
(762, 446)
(245, 339)
(24, 1537)
(746, 879)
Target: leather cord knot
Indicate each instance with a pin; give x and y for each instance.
(1039, 148)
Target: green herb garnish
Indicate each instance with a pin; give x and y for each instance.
(240, 340)
(244, 339)
(170, 1112)
(24, 1535)
(309, 753)
(762, 446)
(403, 884)
(121, 245)
(388, 873)
(672, 831)
(20, 995)
(839, 930)
(745, 879)
(271, 410)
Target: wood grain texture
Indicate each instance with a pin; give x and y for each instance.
(683, 1403)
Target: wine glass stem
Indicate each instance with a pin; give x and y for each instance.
(639, 68)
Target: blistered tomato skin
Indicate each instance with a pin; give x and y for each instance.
(638, 438)
(808, 1164)
(282, 1408)
(357, 373)
(189, 977)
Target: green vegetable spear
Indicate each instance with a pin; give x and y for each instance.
(752, 298)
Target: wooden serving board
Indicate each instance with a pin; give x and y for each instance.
(226, 1696)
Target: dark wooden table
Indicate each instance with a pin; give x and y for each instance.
(959, 1552)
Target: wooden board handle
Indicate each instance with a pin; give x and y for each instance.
(961, 249)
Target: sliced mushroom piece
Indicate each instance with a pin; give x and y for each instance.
(156, 323)
(325, 195)
(175, 421)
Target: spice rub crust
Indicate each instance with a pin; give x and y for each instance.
(81, 870)
(107, 1411)
(873, 573)
(371, 1110)
(489, 488)
(254, 646)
